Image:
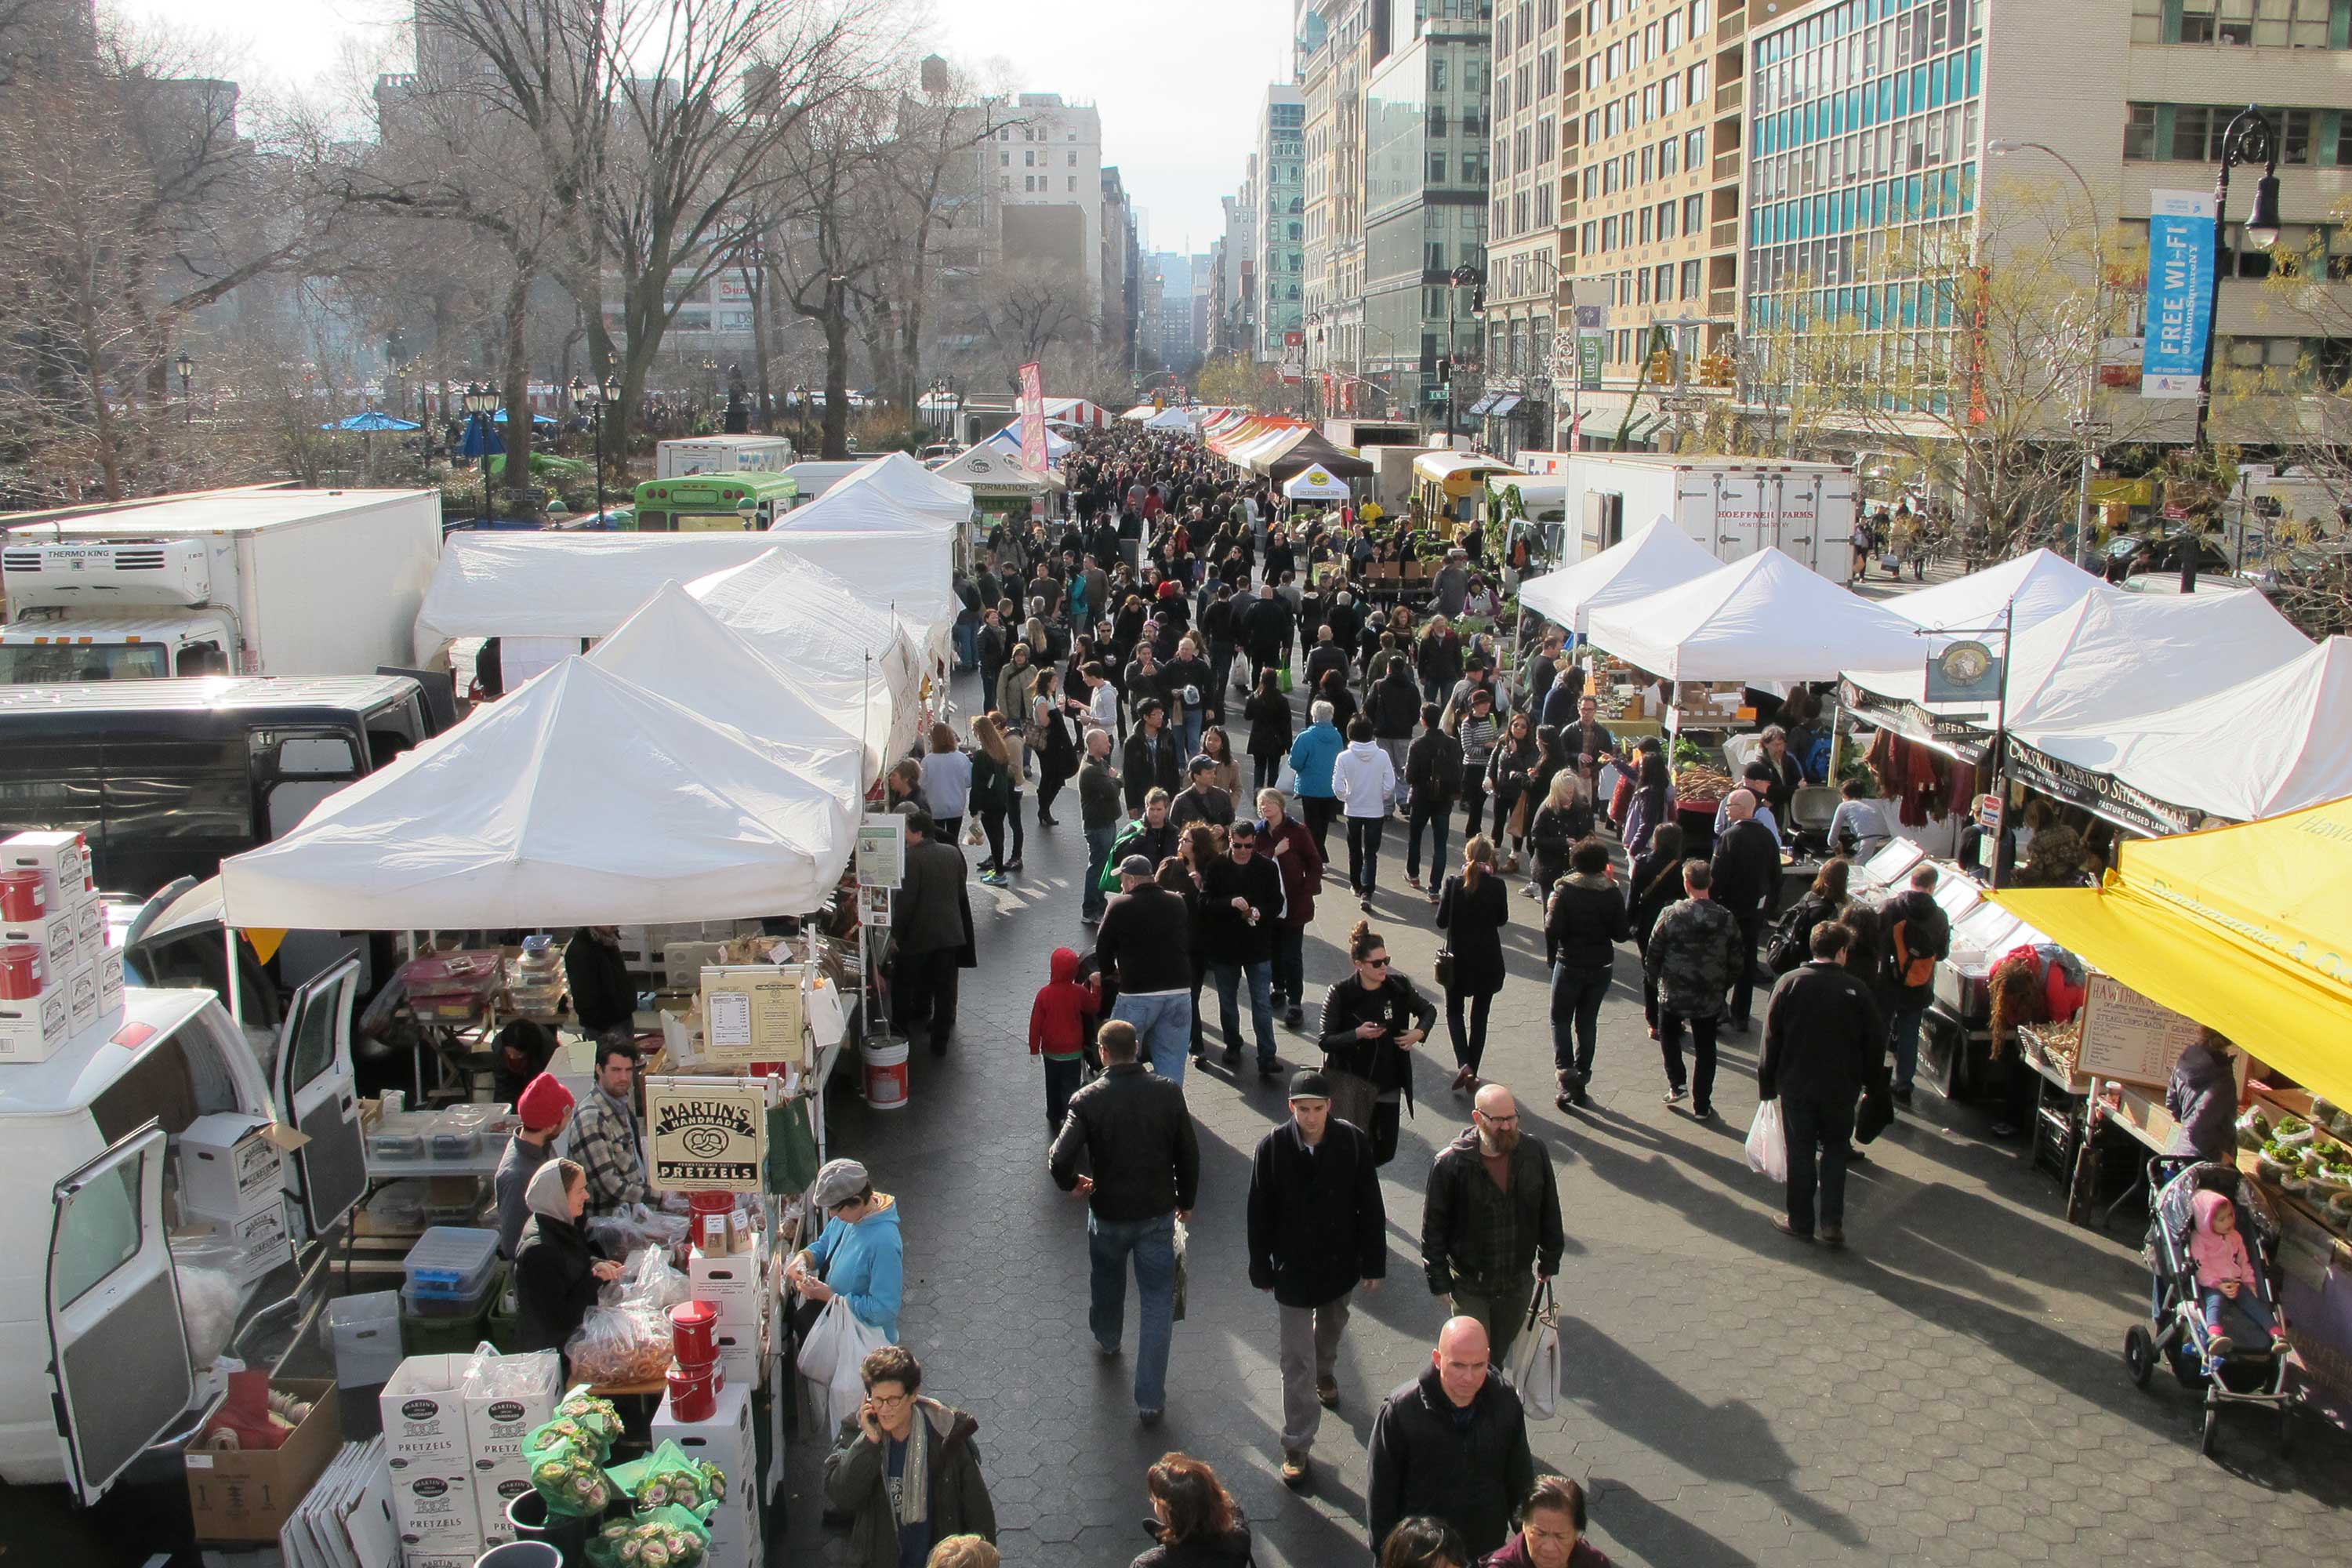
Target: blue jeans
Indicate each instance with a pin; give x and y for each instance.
(1902, 1029)
(1163, 1029)
(1228, 977)
(967, 644)
(1190, 727)
(2246, 1301)
(1576, 996)
(1289, 962)
(1152, 1244)
(1098, 843)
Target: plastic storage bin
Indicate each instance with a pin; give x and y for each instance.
(363, 1334)
(450, 1333)
(451, 1262)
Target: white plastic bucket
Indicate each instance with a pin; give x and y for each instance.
(886, 1072)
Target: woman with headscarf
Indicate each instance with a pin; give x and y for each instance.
(556, 1267)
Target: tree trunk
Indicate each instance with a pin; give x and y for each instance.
(515, 364)
(755, 289)
(836, 322)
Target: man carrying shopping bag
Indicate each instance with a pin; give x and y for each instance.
(1823, 1036)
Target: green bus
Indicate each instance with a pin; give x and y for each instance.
(714, 503)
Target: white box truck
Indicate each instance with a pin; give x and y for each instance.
(1733, 507)
(239, 582)
(721, 455)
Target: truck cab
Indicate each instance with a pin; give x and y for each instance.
(94, 1343)
(135, 610)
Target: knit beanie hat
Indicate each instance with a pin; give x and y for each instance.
(543, 1104)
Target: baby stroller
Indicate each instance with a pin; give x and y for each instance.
(2254, 1372)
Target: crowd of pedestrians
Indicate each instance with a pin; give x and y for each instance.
(1127, 648)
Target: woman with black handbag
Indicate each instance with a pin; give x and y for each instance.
(1473, 908)
(1372, 1021)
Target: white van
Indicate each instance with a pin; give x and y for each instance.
(93, 1349)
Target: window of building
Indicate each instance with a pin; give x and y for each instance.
(1674, 32)
(1645, 225)
(1665, 220)
(1074, 186)
(1437, 73)
(1029, 159)
(1437, 168)
(1641, 288)
(1608, 233)
(1649, 103)
(1690, 279)
(1073, 161)
(1544, 131)
(1698, 17)
(1670, 95)
(1695, 151)
(1543, 204)
(1695, 82)
(1004, 159)
(1693, 213)
(1588, 241)
(1519, 212)
(1666, 158)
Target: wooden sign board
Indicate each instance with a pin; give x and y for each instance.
(705, 1134)
(752, 1013)
(2128, 1038)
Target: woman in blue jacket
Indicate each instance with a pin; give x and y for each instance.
(1311, 756)
(860, 1255)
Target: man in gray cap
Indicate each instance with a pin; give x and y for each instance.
(1316, 1229)
(1145, 942)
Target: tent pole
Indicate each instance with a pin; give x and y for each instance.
(236, 992)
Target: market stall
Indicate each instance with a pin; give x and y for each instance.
(1008, 440)
(1001, 482)
(2241, 930)
(910, 571)
(892, 492)
(1172, 417)
(2022, 592)
(1312, 450)
(1655, 557)
(1762, 618)
(1315, 484)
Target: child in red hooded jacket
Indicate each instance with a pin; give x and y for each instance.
(1058, 1031)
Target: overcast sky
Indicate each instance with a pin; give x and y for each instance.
(1179, 82)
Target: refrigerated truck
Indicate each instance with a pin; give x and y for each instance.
(1733, 508)
(240, 581)
(721, 455)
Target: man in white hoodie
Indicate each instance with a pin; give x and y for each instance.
(1366, 783)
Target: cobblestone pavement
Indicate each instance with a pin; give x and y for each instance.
(1950, 1391)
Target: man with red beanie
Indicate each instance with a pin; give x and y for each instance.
(544, 1107)
(1058, 1031)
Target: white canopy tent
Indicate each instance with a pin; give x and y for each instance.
(1315, 484)
(1764, 617)
(1009, 441)
(2036, 586)
(910, 575)
(837, 640)
(2102, 659)
(1655, 557)
(561, 584)
(579, 799)
(1172, 417)
(2273, 743)
(1139, 413)
(677, 648)
(989, 469)
(893, 492)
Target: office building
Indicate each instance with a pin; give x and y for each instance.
(1536, 107)
(1049, 190)
(1281, 222)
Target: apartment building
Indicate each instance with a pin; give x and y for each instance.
(1536, 128)
(1336, 48)
(1651, 202)
(1425, 125)
(1047, 159)
(1892, 139)
(1281, 221)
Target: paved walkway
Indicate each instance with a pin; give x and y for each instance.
(1950, 1391)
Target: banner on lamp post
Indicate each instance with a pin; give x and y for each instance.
(2180, 292)
(1032, 416)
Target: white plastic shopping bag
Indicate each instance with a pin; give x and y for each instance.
(1535, 1363)
(1768, 1142)
(830, 1356)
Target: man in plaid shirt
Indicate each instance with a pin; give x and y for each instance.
(604, 1139)
(1490, 1226)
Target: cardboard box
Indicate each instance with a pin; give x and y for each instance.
(435, 1512)
(109, 983)
(248, 1496)
(261, 1237)
(228, 1166)
(36, 1029)
(492, 1493)
(496, 1426)
(742, 1354)
(735, 1530)
(725, 1440)
(57, 934)
(63, 861)
(421, 1557)
(423, 1410)
(727, 1281)
(79, 983)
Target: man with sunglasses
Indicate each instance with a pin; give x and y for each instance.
(1490, 1226)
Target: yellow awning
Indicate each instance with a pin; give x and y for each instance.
(2247, 930)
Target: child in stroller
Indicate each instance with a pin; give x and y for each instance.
(2226, 1278)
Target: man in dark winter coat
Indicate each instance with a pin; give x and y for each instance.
(1490, 1221)
(905, 1469)
(1824, 1035)
(1316, 1229)
(603, 997)
(930, 926)
(1747, 871)
(1241, 907)
(1453, 1443)
(1266, 628)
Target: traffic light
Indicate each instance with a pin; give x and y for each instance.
(1715, 369)
(1660, 369)
(1444, 373)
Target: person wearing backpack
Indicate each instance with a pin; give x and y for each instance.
(1918, 935)
(1792, 933)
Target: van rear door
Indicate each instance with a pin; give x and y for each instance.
(118, 1347)
(316, 1093)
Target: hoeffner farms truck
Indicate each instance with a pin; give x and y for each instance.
(242, 582)
(1732, 507)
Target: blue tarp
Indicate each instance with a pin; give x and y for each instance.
(372, 419)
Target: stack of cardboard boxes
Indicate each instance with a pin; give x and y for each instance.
(732, 1278)
(454, 1446)
(62, 978)
(726, 1441)
(233, 1183)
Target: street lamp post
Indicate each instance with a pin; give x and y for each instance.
(480, 403)
(2247, 139)
(1463, 277)
(187, 368)
(594, 398)
(2087, 423)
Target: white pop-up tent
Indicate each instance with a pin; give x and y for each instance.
(911, 575)
(579, 799)
(2273, 744)
(1764, 617)
(1009, 441)
(989, 469)
(1657, 556)
(2033, 587)
(893, 492)
(512, 585)
(1172, 417)
(837, 640)
(1315, 484)
(675, 647)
